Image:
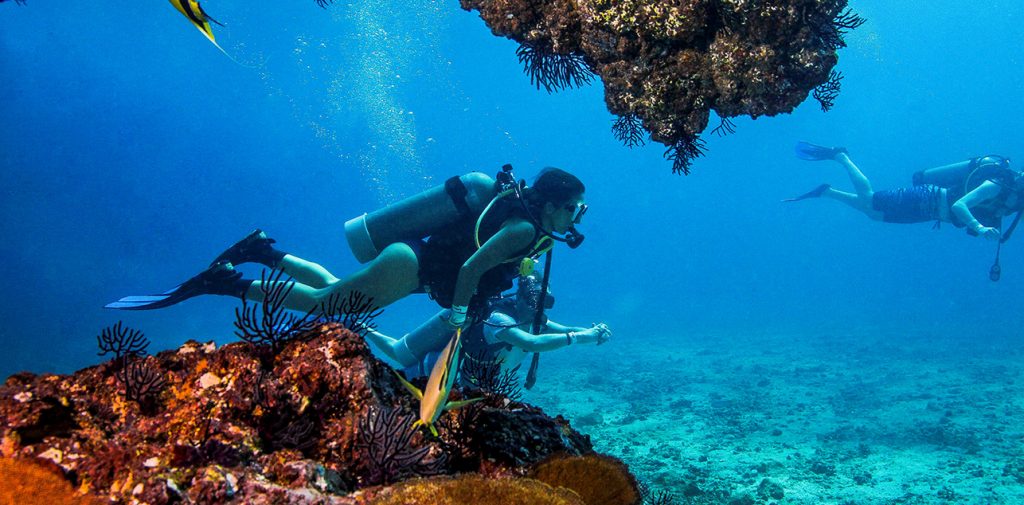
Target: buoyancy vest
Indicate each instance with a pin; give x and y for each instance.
(445, 252)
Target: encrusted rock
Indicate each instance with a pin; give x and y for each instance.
(232, 425)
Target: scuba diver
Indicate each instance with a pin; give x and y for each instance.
(504, 336)
(460, 243)
(973, 194)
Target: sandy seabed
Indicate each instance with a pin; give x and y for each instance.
(833, 419)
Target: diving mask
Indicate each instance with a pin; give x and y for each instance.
(578, 210)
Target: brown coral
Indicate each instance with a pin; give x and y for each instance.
(473, 489)
(671, 62)
(598, 479)
(232, 431)
(26, 483)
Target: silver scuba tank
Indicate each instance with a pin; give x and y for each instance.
(420, 215)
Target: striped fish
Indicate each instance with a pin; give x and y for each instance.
(434, 398)
(198, 17)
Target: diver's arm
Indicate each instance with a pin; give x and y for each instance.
(554, 327)
(604, 333)
(962, 209)
(547, 341)
(510, 239)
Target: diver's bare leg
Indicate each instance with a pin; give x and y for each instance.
(861, 201)
(388, 278)
(306, 272)
(861, 184)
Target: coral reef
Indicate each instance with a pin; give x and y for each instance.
(317, 423)
(599, 480)
(490, 377)
(477, 490)
(29, 483)
(357, 312)
(667, 64)
(142, 384)
(385, 436)
(267, 324)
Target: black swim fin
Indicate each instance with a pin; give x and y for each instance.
(219, 279)
(814, 193)
(256, 247)
(812, 152)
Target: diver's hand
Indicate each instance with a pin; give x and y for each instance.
(605, 333)
(988, 232)
(589, 335)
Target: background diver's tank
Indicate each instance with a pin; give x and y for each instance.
(966, 174)
(420, 215)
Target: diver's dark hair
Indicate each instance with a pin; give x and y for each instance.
(553, 185)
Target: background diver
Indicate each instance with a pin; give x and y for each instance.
(503, 336)
(481, 234)
(975, 194)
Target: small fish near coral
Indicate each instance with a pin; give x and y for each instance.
(434, 397)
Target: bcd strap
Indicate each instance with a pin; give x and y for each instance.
(531, 376)
(457, 192)
(1013, 226)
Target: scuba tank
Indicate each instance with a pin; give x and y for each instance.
(420, 215)
(964, 175)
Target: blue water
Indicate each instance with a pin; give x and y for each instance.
(132, 152)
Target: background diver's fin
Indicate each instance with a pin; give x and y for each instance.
(814, 193)
(813, 152)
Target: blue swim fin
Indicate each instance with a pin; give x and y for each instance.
(812, 152)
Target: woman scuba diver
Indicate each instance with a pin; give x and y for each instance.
(471, 252)
(502, 335)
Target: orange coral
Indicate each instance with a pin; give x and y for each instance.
(598, 479)
(473, 489)
(26, 483)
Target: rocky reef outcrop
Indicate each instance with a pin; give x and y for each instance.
(321, 421)
(666, 64)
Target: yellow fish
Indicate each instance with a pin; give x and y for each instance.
(195, 13)
(434, 398)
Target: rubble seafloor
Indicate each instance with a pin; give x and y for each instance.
(859, 417)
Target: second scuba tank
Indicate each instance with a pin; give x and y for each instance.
(420, 215)
(963, 175)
